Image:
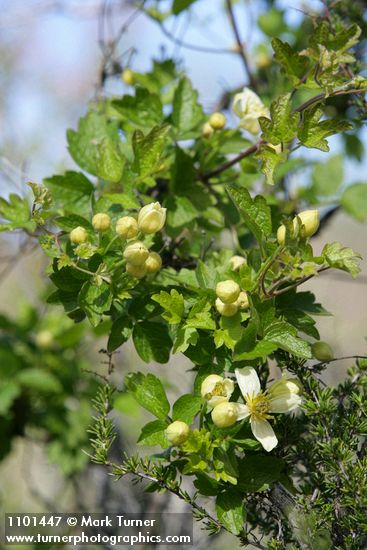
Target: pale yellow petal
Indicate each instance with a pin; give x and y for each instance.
(285, 403)
(243, 411)
(248, 381)
(264, 433)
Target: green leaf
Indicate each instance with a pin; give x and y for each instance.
(172, 303)
(16, 210)
(39, 380)
(71, 192)
(69, 222)
(258, 472)
(263, 348)
(143, 111)
(354, 201)
(185, 337)
(313, 133)
(154, 433)
(293, 64)
(255, 212)
(152, 341)
(270, 161)
(186, 408)
(230, 510)
(181, 5)
(126, 200)
(180, 212)
(95, 300)
(121, 331)
(200, 316)
(283, 124)
(148, 149)
(328, 176)
(342, 258)
(149, 392)
(9, 391)
(284, 335)
(95, 146)
(187, 113)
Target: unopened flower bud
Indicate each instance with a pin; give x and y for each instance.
(217, 121)
(151, 218)
(242, 300)
(207, 131)
(216, 389)
(281, 235)
(127, 76)
(227, 310)
(127, 227)
(310, 220)
(225, 414)
(78, 235)
(228, 291)
(153, 263)
(285, 386)
(322, 351)
(136, 253)
(44, 339)
(138, 271)
(236, 262)
(177, 432)
(101, 222)
(249, 108)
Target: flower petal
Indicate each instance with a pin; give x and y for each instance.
(228, 386)
(264, 433)
(243, 411)
(285, 403)
(248, 381)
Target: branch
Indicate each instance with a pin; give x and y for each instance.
(240, 47)
(194, 47)
(232, 162)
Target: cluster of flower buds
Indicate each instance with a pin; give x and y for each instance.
(101, 222)
(305, 224)
(230, 298)
(216, 121)
(140, 261)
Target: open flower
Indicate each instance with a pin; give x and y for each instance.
(249, 108)
(281, 397)
(216, 389)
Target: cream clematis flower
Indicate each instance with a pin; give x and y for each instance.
(248, 107)
(216, 389)
(281, 397)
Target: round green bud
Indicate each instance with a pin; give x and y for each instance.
(177, 432)
(127, 76)
(242, 300)
(217, 121)
(136, 253)
(151, 218)
(153, 263)
(127, 227)
(225, 414)
(207, 131)
(78, 235)
(322, 351)
(138, 271)
(310, 221)
(228, 291)
(226, 310)
(101, 222)
(236, 262)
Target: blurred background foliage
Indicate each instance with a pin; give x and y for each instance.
(55, 57)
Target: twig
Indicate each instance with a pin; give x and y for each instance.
(240, 47)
